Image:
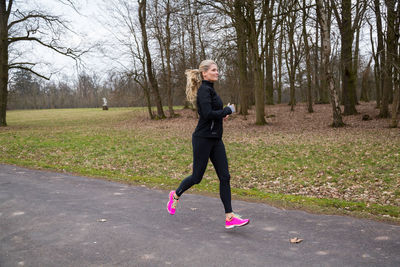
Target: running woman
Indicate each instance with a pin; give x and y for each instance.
(207, 139)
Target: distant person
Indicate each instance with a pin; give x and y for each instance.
(207, 139)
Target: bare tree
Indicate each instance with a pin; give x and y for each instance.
(239, 22)
(142, 12)
(293, 55)
(236, 12)
(322, 17)
(390, 54)
(35, 26)
(278, 66)
(360, 8)
(122, 23)
(396, 69)
(253, 37)
(308, 61)
(162, 27)
(347, 28)
(319, 72)
(269, 48)
(380, 58)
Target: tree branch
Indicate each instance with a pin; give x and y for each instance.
(70, 53)
(30, 70)
(71, 4)
(34, 15)
(20, 63)
(339, 21)
(222, 9)
(10, 3)
(359, 17)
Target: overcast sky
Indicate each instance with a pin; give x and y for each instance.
(87, 32)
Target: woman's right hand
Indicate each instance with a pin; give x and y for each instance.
(232, 107)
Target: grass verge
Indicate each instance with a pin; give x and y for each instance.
(347, 171)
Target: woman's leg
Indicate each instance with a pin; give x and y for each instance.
(201, 152)
(220, 162)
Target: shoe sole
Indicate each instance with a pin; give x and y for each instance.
(239, 225)
(169, 211)
(168, 203)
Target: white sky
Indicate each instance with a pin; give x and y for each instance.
(88, 31)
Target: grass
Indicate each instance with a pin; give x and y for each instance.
(343, 171)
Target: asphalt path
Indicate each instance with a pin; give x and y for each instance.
(58, 219)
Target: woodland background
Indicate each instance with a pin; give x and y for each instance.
(268, 52)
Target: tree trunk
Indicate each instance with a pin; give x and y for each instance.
(259, 94)
(168, 56)
(269, 74)
(348, 84)
(279, 89)
(182, 58)
(361, 6)
(316, 73)
(192, 32)
(291, 73)
(390, 53)
(308, 63)
(322, 88)
(292, 90)
(202, 46)
(153, 81)
(337, 116)
(376, 66)
(396, 97)
(380, 54)
(256, 64)
(291, 58)
(397, 69)
(269, 60)
(356, 63)
(3, 62)
(239, 23)
(395, 107)
(148, 100)
(145, 87)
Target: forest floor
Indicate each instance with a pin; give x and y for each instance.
(295, 161)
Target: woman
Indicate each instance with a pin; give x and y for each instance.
(207, 139)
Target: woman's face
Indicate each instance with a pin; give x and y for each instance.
(211, 74)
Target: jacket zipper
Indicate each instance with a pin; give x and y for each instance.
(212, 125)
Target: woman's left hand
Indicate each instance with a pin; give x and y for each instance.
(226, 117)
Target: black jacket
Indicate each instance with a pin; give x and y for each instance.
(211, 111)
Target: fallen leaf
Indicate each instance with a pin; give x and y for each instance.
(295, 240)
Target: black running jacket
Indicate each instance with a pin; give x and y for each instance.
(211, 112)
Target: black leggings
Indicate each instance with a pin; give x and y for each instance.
(203, 149)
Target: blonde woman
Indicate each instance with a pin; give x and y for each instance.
(207, 139)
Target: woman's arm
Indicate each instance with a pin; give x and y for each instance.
(205, 108)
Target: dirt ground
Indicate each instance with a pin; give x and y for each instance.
(279, 120)
(298, 127)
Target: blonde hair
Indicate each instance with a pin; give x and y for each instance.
(194, 79)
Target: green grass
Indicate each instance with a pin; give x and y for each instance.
(341, 173)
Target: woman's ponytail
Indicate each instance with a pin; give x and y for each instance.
(194, 79)
(193, 82)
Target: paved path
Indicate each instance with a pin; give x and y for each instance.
(52, 219)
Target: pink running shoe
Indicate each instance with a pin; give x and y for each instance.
(172, 203)
(236, 221)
